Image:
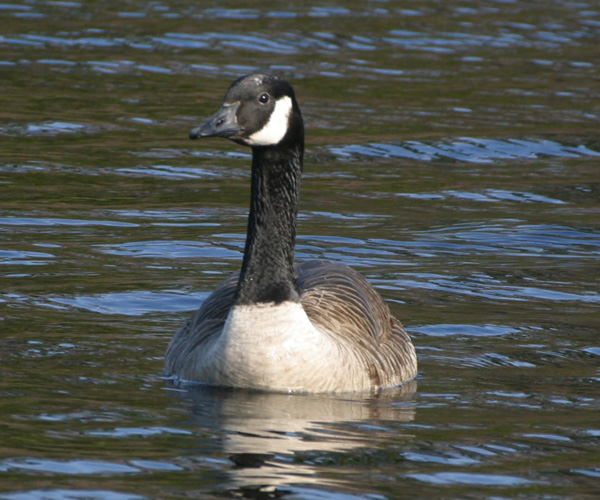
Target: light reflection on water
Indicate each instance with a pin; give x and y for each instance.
(71, 494)
(449, 159)
(467, 149)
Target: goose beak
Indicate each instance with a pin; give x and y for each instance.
(222, 124)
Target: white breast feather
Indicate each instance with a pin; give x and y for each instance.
(276, 347)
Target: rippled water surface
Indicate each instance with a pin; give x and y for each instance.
(452, 158)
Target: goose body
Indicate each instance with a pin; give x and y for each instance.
(276, 325)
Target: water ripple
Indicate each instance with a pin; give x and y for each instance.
(442, 330)
(135, 303)
(450, 459)
(466, 149)
(225, 13)
(51, 221)
(470, 478)
(171, 250)
(127, 432)
(473, 287)
(487, 195)
(46, 128)
(169, 172)
(24, 257)
(552, 241)
(73, 467)
(100, 194)
(68, 494)
(494, 359)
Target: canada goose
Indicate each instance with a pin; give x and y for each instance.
(310, 327)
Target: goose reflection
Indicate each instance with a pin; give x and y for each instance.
(275, 439)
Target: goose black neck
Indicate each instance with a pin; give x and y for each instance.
(267, 274)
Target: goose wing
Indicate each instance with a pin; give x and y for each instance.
(205, 323)
(344, 305)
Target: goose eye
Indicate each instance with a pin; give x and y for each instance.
(264, 98)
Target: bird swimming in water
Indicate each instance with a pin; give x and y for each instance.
(277, 325)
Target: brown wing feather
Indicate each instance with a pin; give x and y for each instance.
(342, 303)
(207, 322)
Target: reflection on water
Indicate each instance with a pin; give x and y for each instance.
(264, 434)
(450, 158)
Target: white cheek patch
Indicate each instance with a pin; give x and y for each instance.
(276, 128)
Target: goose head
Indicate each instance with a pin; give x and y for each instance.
(259, 110)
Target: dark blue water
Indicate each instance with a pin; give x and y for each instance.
(452, 158)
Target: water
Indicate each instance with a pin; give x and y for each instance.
(452, 159)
